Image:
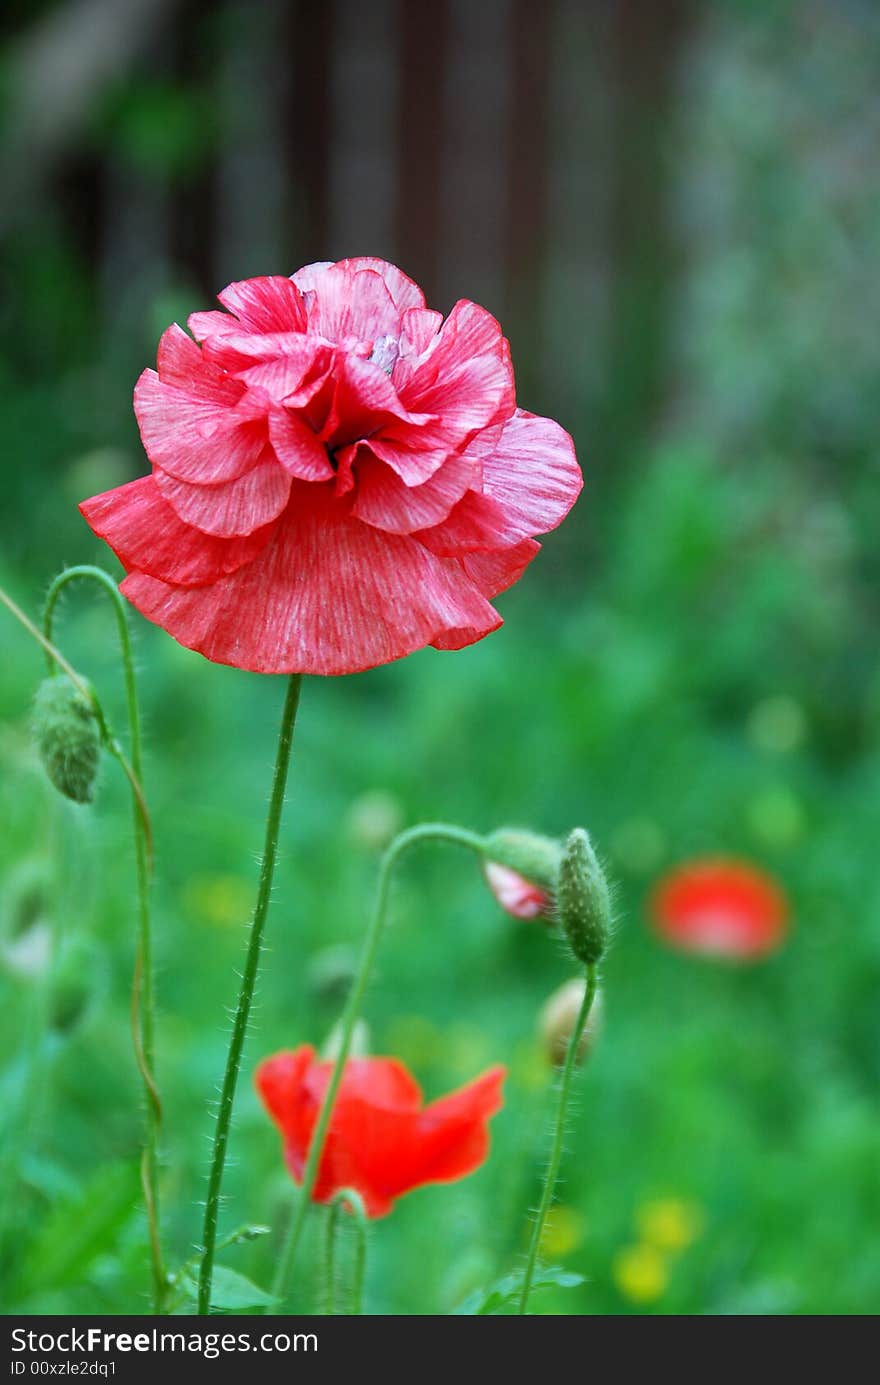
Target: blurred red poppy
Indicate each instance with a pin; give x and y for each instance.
(383, 1141)
(339, 476)
(722, 908)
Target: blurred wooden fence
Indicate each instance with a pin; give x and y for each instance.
(502, 150)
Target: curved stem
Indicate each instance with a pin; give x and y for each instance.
(143, 994)
(359, 1214)
(429, 831)
(246, 993)
(558, 1136)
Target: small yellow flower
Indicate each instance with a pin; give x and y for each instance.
(564, 1231)
(669, 1223)
(640, 1273)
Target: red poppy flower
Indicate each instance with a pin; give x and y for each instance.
(521, 898)
(721, 908)
(340, 476)
(382, 1140)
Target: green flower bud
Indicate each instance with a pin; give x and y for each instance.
(583, 900)
(534, 857)
(558, 1017)
(68, 739)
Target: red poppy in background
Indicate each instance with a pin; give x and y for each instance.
(519, 897)
(383, 1141)
(722, 908)
(340, 476)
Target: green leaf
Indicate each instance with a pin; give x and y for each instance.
(505, 1291)
(80, 1227)
(230, 1291)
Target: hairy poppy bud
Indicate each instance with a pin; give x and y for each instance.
(583, 900)
(68, 739)
(558, 1017)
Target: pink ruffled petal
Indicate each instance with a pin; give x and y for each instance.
(146, 533)
(477, 523)
(293, 377)
(465, 378)
(297, 446)
(418, 328)
(269, 304)
(386, 502)
(195, 439)
(232, 508)
(180, 362)
(414, 458)
(491, 573)
(211, 324)
(364, 399)
(350, 301)
(531, 472)
(403, 291)
(328, 595)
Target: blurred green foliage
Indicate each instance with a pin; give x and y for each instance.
(708, 681)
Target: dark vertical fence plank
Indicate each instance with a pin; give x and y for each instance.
(575, 269)
(363, 173)
(423, 32)
(192, 57)
(249, 85)
(308, 46)
(475, 173)
(647, 41)
(525, 229)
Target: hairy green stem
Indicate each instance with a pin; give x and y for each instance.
(429, 831)
(558, 1136)
(143, 993)
(246, 993)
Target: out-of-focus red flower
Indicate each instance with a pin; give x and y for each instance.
(521, 898)
(383, 1141)
(722, 908)
(340, 476)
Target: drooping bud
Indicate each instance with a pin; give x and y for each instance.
(68, 739)
(519, 897)
(520, 869)
(583, 900)
(558, 1017)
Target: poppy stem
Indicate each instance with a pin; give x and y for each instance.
(359, 1224)
(143, 996)
(427, 831)
(246, 993)
(558, 1136)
